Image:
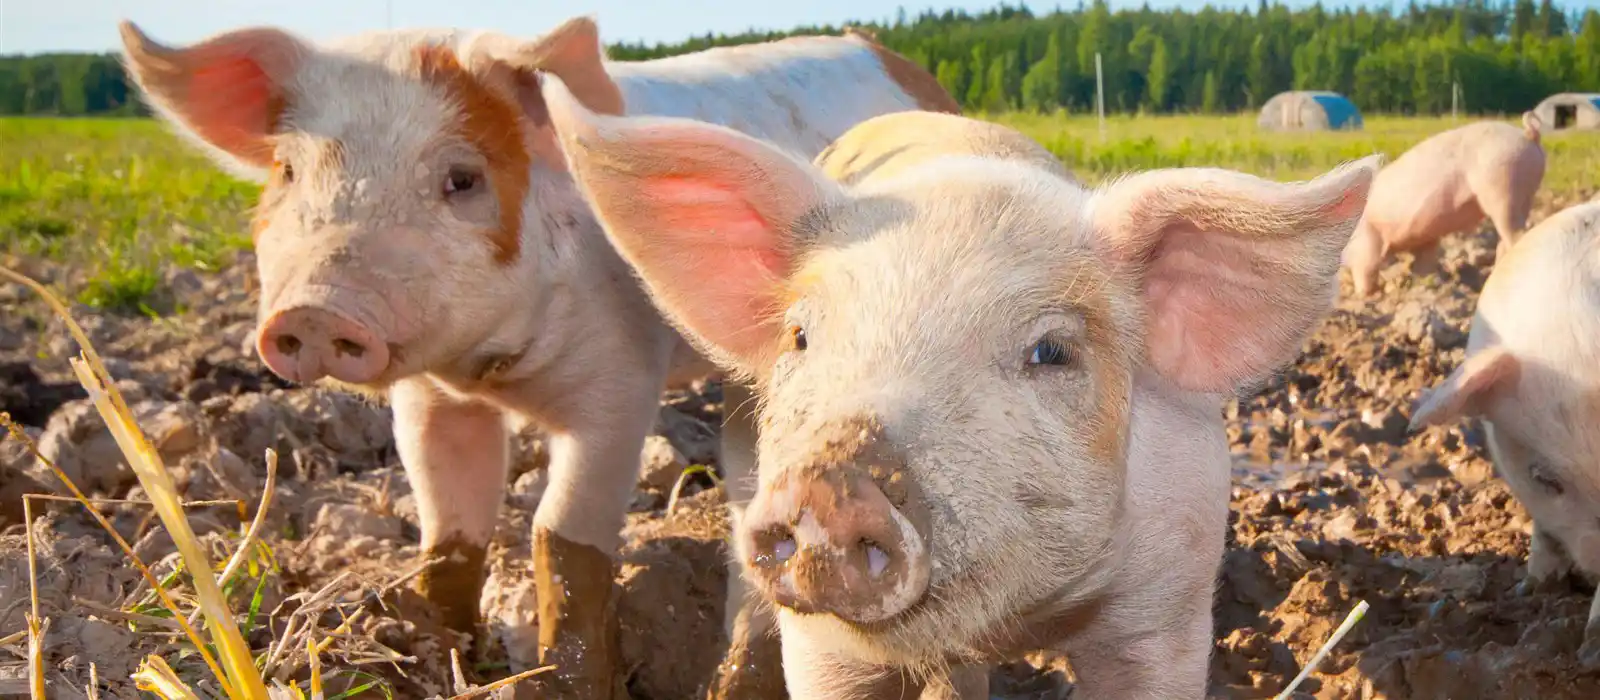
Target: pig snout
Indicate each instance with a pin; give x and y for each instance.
(306, 344)
(832, 542)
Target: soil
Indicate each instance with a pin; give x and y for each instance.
(1334, 503)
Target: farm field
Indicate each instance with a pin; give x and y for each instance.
(1334, 502)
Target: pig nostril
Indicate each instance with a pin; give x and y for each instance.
(775, 546)
(877, 558)
(349, 347)
(784, 549)
(288, 344)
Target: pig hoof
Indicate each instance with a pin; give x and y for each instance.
(577, 619)
(753, 670)
(455, 583)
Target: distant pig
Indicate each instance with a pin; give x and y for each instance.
(1532, 373)
(419, 237)
(990, 398)
(1445, 184)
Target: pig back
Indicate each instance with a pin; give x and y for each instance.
(1424, 193)
(895, 143)
(1542, 303)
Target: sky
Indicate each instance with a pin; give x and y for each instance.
(33, 26)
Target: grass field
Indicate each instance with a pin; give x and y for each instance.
(121, 200)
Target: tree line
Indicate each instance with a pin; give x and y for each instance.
(1505, 55)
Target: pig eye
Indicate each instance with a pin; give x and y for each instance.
(461, 180)
(1542, 476)
(287, 170)
(1052, 351)
(797, 338)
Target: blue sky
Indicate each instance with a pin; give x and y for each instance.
(31, 26)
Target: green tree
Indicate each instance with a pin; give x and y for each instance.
(1041, 86)
(1210, 99)
(1158, 80)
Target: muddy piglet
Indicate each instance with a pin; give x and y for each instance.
(989, 417)
(1532, 373)
(1448, 183)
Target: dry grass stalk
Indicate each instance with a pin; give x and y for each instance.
(149, 576)
(241, 553)
(241, 680)
(35, 628)
(503, 682)
(157, 677)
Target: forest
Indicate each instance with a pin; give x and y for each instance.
(1505, 56)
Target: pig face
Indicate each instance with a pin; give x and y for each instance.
(1541, 442)
(946, 357)
(405, 175)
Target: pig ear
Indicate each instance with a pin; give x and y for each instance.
(706, 216)
(571, 52)
(226, 92)
(1463, 393)
(1237, 269)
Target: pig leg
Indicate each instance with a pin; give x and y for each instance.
(1363, 255)
(1508, 212)
(455, 453)
(753, 665)
(1425, 261)
(594, 464)
(1547, 561)
(1589, 653)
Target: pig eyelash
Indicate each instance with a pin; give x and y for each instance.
(1051, 351)
(461, 180)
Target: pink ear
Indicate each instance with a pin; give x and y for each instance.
(572, 52)
(705, 215)
(1237, 269)
(1487, 371)
(226, 91)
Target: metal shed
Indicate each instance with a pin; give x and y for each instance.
(1569, 110)
(1309, 110)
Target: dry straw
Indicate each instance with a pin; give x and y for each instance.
(235, 671)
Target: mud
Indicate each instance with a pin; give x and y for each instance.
(1333, 503)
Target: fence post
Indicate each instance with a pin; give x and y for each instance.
(1100, 95)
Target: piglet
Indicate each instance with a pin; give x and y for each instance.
(1445, 184)
(1532, 372)
(990, 398)
(418, 238)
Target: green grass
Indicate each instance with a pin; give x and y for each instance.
(124, 200)
(1135, 143)
(120, 199)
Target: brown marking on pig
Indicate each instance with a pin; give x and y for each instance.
(493, 125)
(914, 79)
(1090, 295)
(454, 584)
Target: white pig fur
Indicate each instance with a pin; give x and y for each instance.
(1081, 507)
(1532, 373)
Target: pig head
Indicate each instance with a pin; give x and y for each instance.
(405, 175)
(949, 358)
(1532, 374)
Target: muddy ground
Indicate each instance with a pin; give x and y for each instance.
(1334, 502)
